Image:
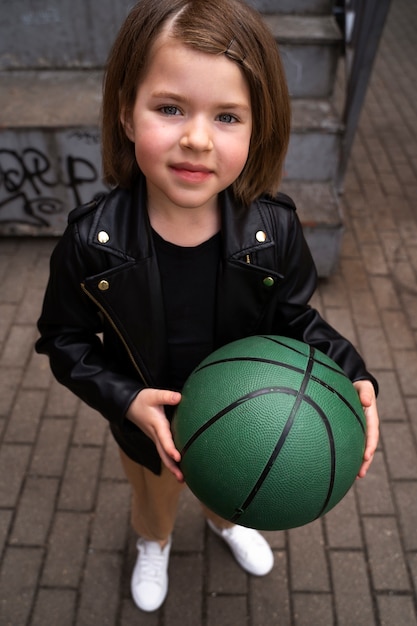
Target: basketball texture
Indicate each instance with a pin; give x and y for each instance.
(271, 432)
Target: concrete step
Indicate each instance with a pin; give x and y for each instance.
(319, 210)
(306, 7)
(310, 48)
(316, 136)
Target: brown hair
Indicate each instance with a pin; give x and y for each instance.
(227, 27)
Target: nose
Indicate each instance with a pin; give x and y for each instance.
(197, 135)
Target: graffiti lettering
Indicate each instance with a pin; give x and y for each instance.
(29, 184)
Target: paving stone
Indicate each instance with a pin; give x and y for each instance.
(400, 450)
(190, 525)
(365, 312)
(374, 259)
(54, 606)
(374, 348)
(61, 402)
(391, 404)
(409, 304)
(80, 479)
(398, 610)
(385, 293)
(226, 610)
(37, 374)
(309, 571)
(354, 276)
(269, 599)
(50, 450)
(352, 591)
(387, 562)
(413, 568)
(30, 306)
(90, 427)
(111, 467)
(19, 573)
(7, 317)
(405, 494)
(374, 491)
(9, 384)
(18, 346)
(412, 411)
(130, 615)
(111, 517)
(100, 590)
(312, 609)
(13, 464)
(185, 600)
(343, 524)
(224, 574)
(25, 417)
(34, 512)
(66, 550)
(341, 319)
(406, 362)
(5, 524)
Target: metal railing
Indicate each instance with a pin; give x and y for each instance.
(363, 22)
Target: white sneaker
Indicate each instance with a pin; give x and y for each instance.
(149, 583)
(249, 548)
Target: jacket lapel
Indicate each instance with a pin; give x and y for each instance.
(244, 286)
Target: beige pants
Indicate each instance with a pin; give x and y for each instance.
(155, 501)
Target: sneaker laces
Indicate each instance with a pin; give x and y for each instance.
(152, 562)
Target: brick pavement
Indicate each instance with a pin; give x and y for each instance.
(66, 547)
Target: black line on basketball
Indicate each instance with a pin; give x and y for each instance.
(332, 456)
(298, 400)
(300, 370)
(248, 396)
(251, 359)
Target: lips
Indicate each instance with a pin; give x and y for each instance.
(191, 172)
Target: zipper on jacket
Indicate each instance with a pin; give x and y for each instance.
(113, 325)
(248, 261)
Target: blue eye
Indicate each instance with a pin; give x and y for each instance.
(227, 118)
(170, 110)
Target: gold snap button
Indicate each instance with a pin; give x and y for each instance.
(103, 237)
(260, 236)
(269, 281)
(104, 285)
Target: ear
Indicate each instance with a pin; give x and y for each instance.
(127, 123)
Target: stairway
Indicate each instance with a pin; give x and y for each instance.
(50, 69)
(310, 43)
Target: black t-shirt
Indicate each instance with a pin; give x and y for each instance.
(189, 277)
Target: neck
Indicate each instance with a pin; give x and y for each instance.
(185, 227)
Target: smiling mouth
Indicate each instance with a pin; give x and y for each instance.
(192, 173)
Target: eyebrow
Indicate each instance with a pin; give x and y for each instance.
(161, 95)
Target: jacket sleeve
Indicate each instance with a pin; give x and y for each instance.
(69, 328)
(300, 320)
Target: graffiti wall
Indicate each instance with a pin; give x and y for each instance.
(43, 175)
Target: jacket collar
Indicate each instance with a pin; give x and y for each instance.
(244, 230)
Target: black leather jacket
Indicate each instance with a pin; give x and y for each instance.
(102, 322)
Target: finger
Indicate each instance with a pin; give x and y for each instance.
(165, 440)
(170, 463)
(165, 396)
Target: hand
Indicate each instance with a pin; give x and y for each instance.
(147, 412)
(367, 397)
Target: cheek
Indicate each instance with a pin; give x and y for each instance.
(235, 154)
(149, 146)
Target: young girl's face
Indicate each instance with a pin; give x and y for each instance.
(191, 125)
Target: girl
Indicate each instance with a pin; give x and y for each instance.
(193, 248)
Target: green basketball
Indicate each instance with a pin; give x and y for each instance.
(271, 433)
